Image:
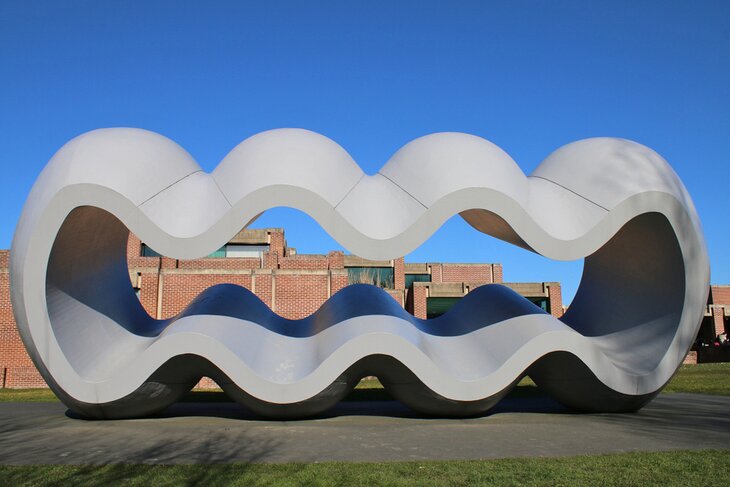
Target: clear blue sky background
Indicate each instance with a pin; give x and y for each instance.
(529, 76)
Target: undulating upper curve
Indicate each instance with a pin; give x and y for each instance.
(188, 213)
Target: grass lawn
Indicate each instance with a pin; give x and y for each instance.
(626, 469)
(698, 379)
(27, 395)
(702, 379)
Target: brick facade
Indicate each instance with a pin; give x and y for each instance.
(293, 285)
(717, 317)
(466, 273)
(720, 295)
(16, 368)
(555, 296)
(420, 296)
(720, 309)
(399, 273)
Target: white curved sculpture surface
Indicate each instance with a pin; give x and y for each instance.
(613, 202)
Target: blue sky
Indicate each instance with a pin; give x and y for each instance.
(529, 76)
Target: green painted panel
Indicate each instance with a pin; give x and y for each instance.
(438, 306)
(218, 254)
(411, 278)
(540, 302)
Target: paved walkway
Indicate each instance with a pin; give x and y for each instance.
(356, 431)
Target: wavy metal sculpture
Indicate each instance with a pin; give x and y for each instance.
(611, 201)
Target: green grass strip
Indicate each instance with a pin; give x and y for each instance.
(702, 379)
(679, 468)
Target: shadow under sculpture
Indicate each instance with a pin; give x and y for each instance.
(612, 202)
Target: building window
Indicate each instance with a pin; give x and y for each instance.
(435, 307)
(218, 254)
(411, 278)
(148, 252)
(377, 276)
(244, 250)
(541, 302)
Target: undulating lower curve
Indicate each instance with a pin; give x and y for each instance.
(634, 317)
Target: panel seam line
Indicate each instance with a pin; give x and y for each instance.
(402, 189)
(169, 186)
(349, 191)
(570, 190)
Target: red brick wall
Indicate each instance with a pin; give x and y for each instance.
(690, 358)
(399, 273)
(237, 264)
(263, 287)
(24, 378)
(16, 368)
(720, 298)
(298, 296)
(336, 260)
(718, 319)
(466, 273)
(134, 259)
(304, 262)
(134, 246)
(206, 383)
(339, 281)
(277, 244)
(179, 289)
(556, 299)
(419, 301)
(148, 292)
(436, 273)
(271, 260)
(12, 353)
(398, 295)
(497, 273)
(720, 295)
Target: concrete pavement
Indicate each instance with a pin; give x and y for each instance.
(45, 433)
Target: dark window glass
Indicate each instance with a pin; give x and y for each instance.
(540, 302)
(411, 278)
(148, 252)
(377, 276)
(437, 306)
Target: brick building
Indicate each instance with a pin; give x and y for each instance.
(715, 322)
(717, 314)
(291, 284)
